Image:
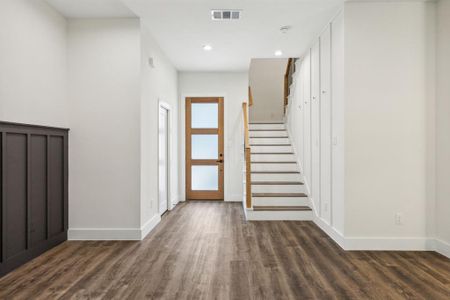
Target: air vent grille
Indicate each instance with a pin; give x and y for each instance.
(225, 14)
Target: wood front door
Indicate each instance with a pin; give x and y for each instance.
(204, 148)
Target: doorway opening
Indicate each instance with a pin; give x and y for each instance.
(164, 158)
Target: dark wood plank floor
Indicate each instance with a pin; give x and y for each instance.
(207, 251)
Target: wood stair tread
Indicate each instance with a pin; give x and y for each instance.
(279, 195)
(277, 182)
(281, 208)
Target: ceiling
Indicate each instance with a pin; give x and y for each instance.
(182, 27)
(92, 8)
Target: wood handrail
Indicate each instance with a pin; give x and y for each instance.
(246, 134)
(286, 83)
(247, 153)
(250, 96)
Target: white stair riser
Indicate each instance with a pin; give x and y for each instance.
(278, 189)
(271, 149)
(273, 157)
(270, 141)
(274, 167)
(279, 215)
(267, 126)
(276, 177)
(268, 133)
(280, 201)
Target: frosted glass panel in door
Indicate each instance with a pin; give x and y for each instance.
(205, 146)
(205, 178)
(205, 115)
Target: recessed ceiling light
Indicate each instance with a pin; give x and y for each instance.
(207, 47)
(278, 53)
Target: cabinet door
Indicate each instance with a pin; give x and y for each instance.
(56, 187)
(38, 189)
(15, 195)
(307, 119)
(325, 128)
(315, 125)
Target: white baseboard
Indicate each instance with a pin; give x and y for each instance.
(174, 202)
(383, 243)
(113, 234)
(104, 234)
(149, 226)
(387, 243)
(233, 198)
(441, 247)
(330, 231)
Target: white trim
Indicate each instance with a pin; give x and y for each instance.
(268, 215)
(165, 105)
(168, 108)
(149, 226)
(234, 198)
(113, 234)
(387, 243)
(300, 166)
(330, 231)
(104, 234)
(174, 202)
(440, 246)
(383, 243)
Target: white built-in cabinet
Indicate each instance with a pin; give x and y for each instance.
(315, 125)
(315, 118)
(310, 122)
(325, 121)
(307, 119)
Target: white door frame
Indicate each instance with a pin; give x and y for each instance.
(167, 107)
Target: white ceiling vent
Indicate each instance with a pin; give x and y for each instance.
(225, 14)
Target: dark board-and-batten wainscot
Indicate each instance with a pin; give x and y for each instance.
(33, 191)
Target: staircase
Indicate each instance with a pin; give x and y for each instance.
(277, 188)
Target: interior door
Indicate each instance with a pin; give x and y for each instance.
(163, 160)
(204, 148)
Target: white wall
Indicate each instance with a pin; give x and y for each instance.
(442, 215)
(32, 63)
(266, 79)
(233, 87)
(386, 100)
(110, 105)
(104, 93)
(159, 83)
(383, 125)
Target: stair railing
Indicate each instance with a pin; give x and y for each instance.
(247, 155)
(250, 96)
(288, 81)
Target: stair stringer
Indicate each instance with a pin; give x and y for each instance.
(300, 166)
